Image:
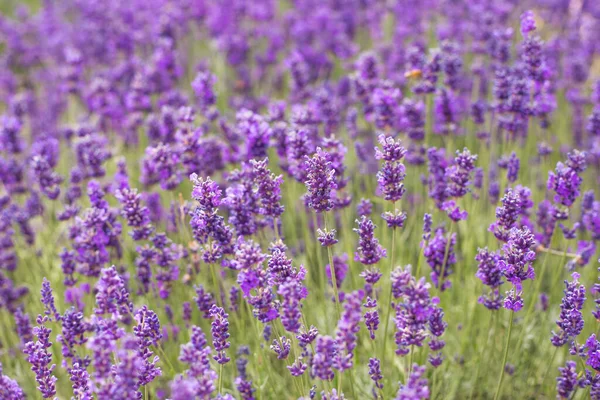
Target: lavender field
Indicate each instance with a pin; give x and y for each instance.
(299, 199)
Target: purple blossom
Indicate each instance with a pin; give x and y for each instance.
(415, 387)
(323, 359)
(220, 333)
(281, 347)
(570, 321)
(371, 316)
(516, 264)
(439, 259)
(565, 180)
(319, 182)
(9, 388)
(40, 359)
(369, 251)
(375, 372)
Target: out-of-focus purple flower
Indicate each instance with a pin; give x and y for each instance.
(565, 180)
(256, 131)
(9, 388)
(440, 260)
(415, 387)
(48, 180)
(268, 189)
(292, 292)
(161, 164)
(203, 86)
(364, 208)
(347, 329)
(527, 22)
(340, 266)
(137, 215)
(112, 296)
(490, 274)
(323, 359)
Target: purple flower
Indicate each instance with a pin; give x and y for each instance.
(161, 164)
(319, 182)
(440, 260)
(48, 301)
(372, 316)
(268, 189)
(375, 372)
(10, 389)
(292, 292)
(527, 22)
(147, 332)
(369, 251)
(203, 86)
(323, 359)
(257, 132)
(347, 329)
(137, 215)
(220, 333)
(40, 359)
(459, 174)
(364, 208)
(516, 264)
(281, 347)
(112, 296)
(81, 382)
(570, 321)
(196, 354)
(490, 274)
(326, 237)
(391, 176)
(394, 219)
(415, 387)
(418, 316)
(567, 381)
(565, 180)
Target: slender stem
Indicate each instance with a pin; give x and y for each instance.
(333, 277)
(510, 325)
(410, 360)
(446, 254)
(220, 378)
(388, 301)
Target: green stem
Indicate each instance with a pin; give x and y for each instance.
(388, 301)
(446, 254)
(333, 277)
(220, 378)
(510, 325)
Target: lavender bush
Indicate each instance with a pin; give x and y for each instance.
(299, 199)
